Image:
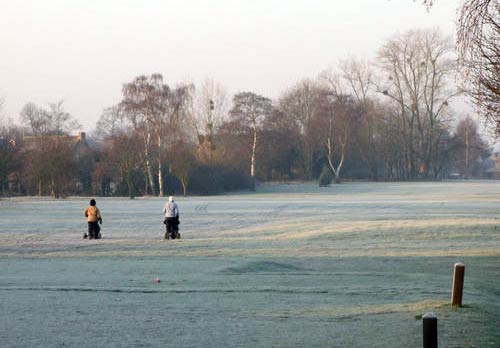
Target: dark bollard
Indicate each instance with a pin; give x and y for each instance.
(458, 284)
(430, 330)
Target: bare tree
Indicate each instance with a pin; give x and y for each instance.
(157, 112)
(441, 159)
(141, 104)
(169, 128)
(301, 103)
(478, 42)
(50, 158)
(49, 163)
(250, 110)
(389, 130)
(468, 147)
(209, 111)
(184, 163)
(52, 121)
(111, 122)
(122, 160)
(32, 115)
(355, 77)
(61, 121)
(418, 66)
(281, 147)
(339, 113)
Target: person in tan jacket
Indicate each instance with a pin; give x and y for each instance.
(94, 218)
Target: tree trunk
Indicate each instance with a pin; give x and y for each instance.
(130, 186)
(467, 153)
(151, 184)
(52, 188)
(337, 178)
(40, 188)
(160, 170)
(184, 186)
(254, 146)
(149, 171)
(160, 179)
(336, 170)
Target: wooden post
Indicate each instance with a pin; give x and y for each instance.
(458, 284)
(429, 330)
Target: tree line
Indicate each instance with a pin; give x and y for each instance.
(386, 119)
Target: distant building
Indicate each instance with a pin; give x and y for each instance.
(79, 141)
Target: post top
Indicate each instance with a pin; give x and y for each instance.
(461, 264)
(429, 315)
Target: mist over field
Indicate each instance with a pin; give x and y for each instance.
(290, 265)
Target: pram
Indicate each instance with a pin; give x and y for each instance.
(172, 227)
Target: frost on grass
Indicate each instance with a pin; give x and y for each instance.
(386, 219)
(352, 265)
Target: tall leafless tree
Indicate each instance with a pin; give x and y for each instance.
(355, 77)
(171, 124)
(478, 43)
(111, 122)
(468, 147)
(34, 117)
(49, 155)
(301, 103)
(338, 115)
(122, 161)
(156, 111)
(250, 110)
(141, 102)
(418, 67)
(209, 111)
(51, 121)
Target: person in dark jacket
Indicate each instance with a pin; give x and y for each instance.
(93, 215)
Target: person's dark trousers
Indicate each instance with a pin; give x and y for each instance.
(93, 229)
(171, 227)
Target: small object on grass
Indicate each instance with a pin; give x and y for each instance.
(156, 280)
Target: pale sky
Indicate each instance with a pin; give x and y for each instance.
(82, 51)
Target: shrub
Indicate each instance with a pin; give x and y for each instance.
(326, 177)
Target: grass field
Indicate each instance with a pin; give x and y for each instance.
(290, 265)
